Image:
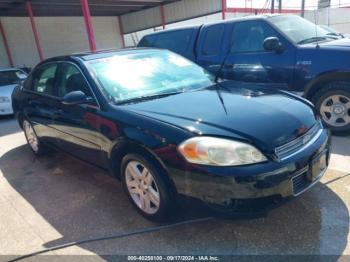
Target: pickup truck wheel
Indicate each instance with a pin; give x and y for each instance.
(333, 103)
(146, 187)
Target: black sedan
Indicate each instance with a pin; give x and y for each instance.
(166, 127)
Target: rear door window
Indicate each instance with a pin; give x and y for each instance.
(44, 79)
(213, 40)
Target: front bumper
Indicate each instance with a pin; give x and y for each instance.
(224, 186)
(6, 108)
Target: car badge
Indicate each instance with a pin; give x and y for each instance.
(306, 139)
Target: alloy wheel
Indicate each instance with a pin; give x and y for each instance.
(142, 187)
(31, 136)
(335, 110)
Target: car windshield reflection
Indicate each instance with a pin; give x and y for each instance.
(129, 77)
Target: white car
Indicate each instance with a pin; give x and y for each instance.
(9, 79)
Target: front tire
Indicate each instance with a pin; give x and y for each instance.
(32, 138)
(146, 186)
(333, 103)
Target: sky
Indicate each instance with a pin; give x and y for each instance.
(287, 4)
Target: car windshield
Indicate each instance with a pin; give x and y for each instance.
(300, 30)
(146, 74)
(10, 77)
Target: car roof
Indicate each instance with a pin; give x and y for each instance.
(87, 56)
(8, 69)
(195, 27)
(243, 18)
(231, 20)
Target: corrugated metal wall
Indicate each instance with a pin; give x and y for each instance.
(58, 36)
(174, 12)
(141, 20)
(187, 9)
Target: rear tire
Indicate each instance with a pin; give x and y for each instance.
(147, 187)
(32, 139)
(333, 104)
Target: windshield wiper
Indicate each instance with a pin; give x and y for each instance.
(335, 35)
(150, 97)
(313, 39)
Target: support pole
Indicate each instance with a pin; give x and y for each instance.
(121, 30)
(162, 14)
(272, 6)
(35, 32)
(88, 24)
(223, 9)
(302, 8)
(7, 48)
(279, 6)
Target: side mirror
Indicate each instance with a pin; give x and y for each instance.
(76, 98)
(273, 44)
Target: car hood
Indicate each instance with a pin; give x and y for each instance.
(7, 90)
(342, 43)
(247, 112)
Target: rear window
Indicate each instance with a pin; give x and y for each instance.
(147, 41)
(176, 41)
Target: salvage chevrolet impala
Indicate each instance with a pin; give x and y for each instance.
(164, 126)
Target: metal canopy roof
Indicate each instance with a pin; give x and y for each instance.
(73, 7)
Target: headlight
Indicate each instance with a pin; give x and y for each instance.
(4, 99)
(219, 152)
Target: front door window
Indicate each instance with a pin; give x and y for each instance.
(249, 36)
(71, 80)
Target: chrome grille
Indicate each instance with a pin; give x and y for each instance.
(291, 148)
(300, 183)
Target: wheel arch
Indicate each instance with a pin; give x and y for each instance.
(320, 81)
(20, 118)
(124, 147)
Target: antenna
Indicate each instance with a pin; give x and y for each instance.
(316, 22)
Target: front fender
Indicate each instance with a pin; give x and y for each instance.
(322, 79)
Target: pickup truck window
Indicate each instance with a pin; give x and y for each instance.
(249, 36)
(176, 41)
(213, 40)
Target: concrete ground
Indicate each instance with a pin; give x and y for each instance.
(56, 199)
